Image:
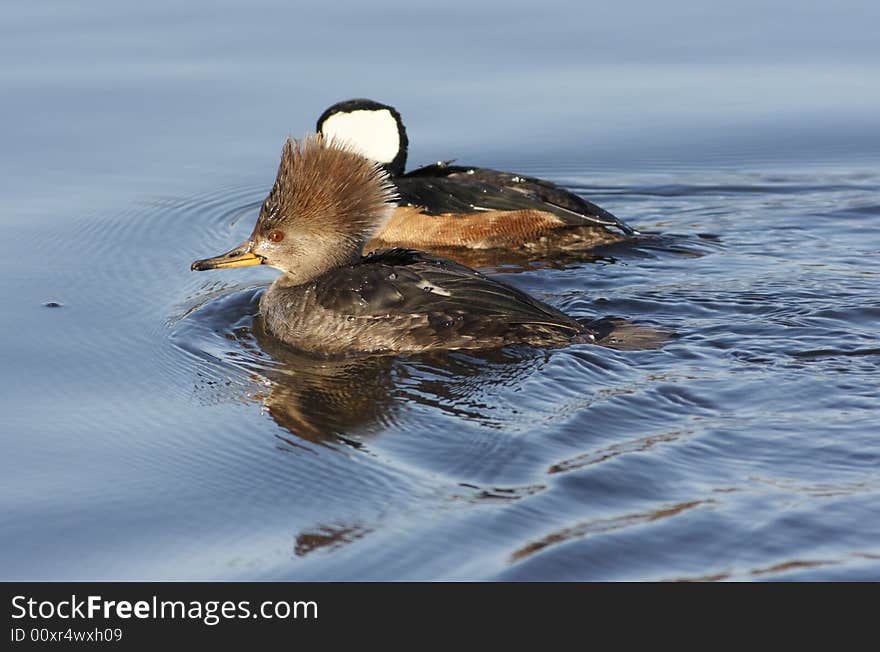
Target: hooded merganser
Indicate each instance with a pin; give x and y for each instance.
(443, 205)
(326, 203)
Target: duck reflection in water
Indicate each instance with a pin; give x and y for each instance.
(352, 399)
(326, 400)
(349, 400)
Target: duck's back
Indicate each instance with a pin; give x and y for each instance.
(454, 206)
(444, 188)
(403, 300)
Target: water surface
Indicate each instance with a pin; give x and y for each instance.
(149, 431)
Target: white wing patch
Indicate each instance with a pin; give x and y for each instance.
(371, 133)
(427, 287)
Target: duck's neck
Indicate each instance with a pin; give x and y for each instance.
(319, 261)
(287, 281)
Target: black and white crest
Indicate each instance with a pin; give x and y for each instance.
(372, 129)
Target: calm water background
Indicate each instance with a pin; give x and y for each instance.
(147, 433)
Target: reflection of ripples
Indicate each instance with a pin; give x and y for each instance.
(327, 538)
(602, 526)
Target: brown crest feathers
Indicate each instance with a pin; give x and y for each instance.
(325, 187)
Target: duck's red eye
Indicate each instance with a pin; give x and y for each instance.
(276, 236)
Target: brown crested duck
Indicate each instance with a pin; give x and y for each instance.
(326, 204)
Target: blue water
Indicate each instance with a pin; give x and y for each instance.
(148, 433)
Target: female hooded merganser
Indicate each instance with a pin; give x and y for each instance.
(443, 206)
(327, 202)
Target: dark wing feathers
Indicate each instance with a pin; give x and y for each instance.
(443, 188)
(437, 196)
(404, 281)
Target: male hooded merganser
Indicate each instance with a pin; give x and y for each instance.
(327, 202)
(443, 206)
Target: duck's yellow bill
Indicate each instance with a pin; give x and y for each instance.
(239, 257)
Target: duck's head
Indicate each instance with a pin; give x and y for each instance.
(372, 129)
(327, 202)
